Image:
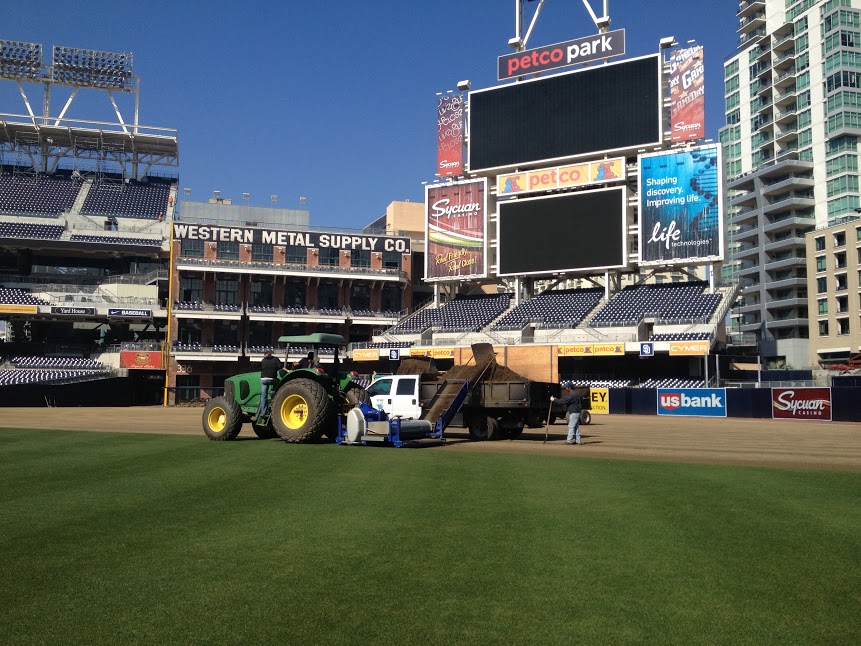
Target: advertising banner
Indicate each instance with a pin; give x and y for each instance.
(687, 94)
(689, 348)
(598, 172)
(693, 402)
(130, 313)
(19, 309)
(455, 230)
(141, 360)
(592, 350)
(75, 311)
(681, 206)
(571, 52)
(366, 354)
(435, 353)
(599, 401)
(282, 238)
(801, 403)
(449, 135)
(579, 350)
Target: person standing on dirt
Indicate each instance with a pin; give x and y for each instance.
(571, 402)
(269, 368)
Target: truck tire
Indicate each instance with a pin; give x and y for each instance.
(222, 419)
(264, 432)
(483, 428)
(515, 433)
(585, 417)
(300, 410)
(357, 395)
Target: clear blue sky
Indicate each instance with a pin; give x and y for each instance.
(334, 101)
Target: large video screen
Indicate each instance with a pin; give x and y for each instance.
(571, 232)
(612, 107)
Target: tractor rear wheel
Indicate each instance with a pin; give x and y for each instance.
(222, 419)
(301, 411)
(357, 395)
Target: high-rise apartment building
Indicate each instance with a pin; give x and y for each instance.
(793, 119)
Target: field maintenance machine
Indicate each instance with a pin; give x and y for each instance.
(488, 399)
(304, 404)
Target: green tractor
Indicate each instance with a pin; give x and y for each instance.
(304, 403)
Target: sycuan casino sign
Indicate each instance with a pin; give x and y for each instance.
(801, 403)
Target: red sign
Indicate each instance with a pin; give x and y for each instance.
(687, 94)
(450, 135)
(140, 360)
(801, 403)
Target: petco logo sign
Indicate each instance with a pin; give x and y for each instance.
(801, 403)
(570, 52)
(697, 402)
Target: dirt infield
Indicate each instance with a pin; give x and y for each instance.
(819, 445)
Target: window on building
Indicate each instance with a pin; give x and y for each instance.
(360, 258)
(840, 240)
(840, 260)
(821, 264)
(294, 294)
(261, 292)
(390, 300)
(391, 260)
(191, 248)
(190, 289)
(262, 252)
(228, 251)
(823, 328)
(840, 283)
(842, 304)
(842, 326)
(821, 285)
(819, 242)
(227, 290)
(226, 333)
(295, 255)
(327, 296)
(823, 306)
(329, 257)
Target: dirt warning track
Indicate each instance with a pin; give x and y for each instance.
(818, 445)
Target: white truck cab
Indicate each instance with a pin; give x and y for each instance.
(398, 395)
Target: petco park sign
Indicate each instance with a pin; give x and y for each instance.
(571, 52)
(801, 403)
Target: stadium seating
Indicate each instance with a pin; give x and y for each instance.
(65, 363)
(135, 200)
(37, 195)
(597, 383)
(329, 311)
(366, 313)
(27, 230)
(463, 314)
(675, 382)
(234, 349)
(11, 377)
(678, 301)
(261, 309)
(186, 347)
(138, 242)
(187, 305)
(390, 344)
(260, 349)
(554, 309)
(681, 336)
(19, 297)
(227, 307)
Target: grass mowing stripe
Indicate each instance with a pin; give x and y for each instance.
(129, 538)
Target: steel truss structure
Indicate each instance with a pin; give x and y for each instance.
(41, 143)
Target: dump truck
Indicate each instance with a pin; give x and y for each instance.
(304, 404)
(497, 402)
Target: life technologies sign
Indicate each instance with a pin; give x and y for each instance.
(681, 206)
(455, 232)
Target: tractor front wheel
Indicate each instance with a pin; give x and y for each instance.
(222, 419)
(301, 411)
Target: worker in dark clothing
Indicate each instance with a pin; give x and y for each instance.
(269, 368)
(307, 362)
(571, 402)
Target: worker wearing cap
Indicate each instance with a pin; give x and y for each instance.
(269, 368)
(570, 400)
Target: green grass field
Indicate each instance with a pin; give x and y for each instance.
(118, 539)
